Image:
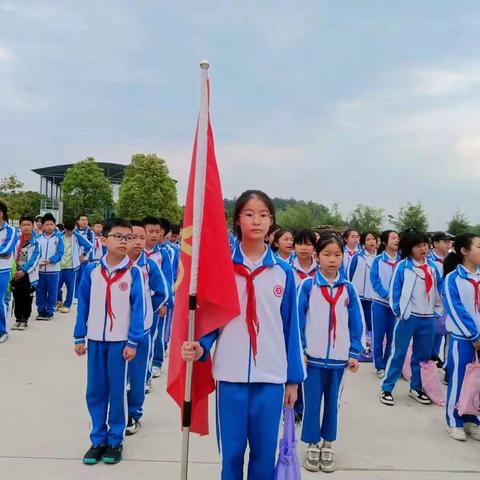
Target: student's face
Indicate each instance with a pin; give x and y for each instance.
(135, 247)
(442, 247)
(473, 255)
(353, 240)
(26, 227)
(285, 244)
(162, 236)
(49, 227)
(419, 252)
(168, 236)
(330, 258)
(83, 222)
(115, 246)
(97, 229)
(39, 226)
(174, 237)
(393, 241)
(304, 251)
(370, 243)
(255, 220)
(153, 234)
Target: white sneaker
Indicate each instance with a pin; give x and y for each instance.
(381, 373)
(148, 387)
(472, 429)
(16, 326)
(312, 458)
(3, 338)
(327, 460)
(156, 372)
(457, 433)
(64, 310)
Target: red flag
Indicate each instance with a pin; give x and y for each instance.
(212, 273)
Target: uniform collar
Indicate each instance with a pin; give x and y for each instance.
(464, 273)
(387, 258)
(321, 281)
(123, 265)
(296, 265)
(141, 260)
(267, 260)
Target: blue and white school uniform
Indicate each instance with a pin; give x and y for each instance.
(331, 334)
(156, 291)
(162, 258)
(347, 258)
(8, 241)
(438, 261)
(462, 301)
(359, 274)
(51, 249)
(301, 274)
(250, 389)
(109, 323)
(99, 250)
(70, 265)
(383, 317)
(415, 311)
(85, 251)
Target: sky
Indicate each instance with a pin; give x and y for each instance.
(338, 102)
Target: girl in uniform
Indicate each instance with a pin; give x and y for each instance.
(283, 245)
(305, 264)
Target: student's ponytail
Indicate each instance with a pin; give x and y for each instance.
(456, 258)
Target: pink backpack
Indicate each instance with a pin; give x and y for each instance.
(469, 399)
(407, 369)
(431, 382)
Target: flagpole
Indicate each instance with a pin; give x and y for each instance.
(198, 200)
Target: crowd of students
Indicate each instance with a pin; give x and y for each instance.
(313, 305)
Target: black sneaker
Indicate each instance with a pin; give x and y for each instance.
(113, 454)
(132, 426)
(387, 398)
(48, 316)
(94, 454)
(23, 325)
(438, 360)
(298, 417)
(420, 397)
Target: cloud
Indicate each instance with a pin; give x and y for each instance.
(441, 82)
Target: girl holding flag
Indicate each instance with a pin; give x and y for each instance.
(258, 361)
(331, 326)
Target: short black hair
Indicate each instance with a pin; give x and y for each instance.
(327, 239)
(81, 215)
(364, 235)
(4, 210)
(410, 239)
(175, 229)
(439, 236)
(26, 218)
(150, 220)
(165, 225)
(115, 222)
(48, 217)
(456, 257)
(136, 223)
(305, 236)
(69, 224)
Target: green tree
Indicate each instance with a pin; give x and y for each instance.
(87, 190)
(458, 224)
(412, 216)
(148, 189)
(10, 184)
(364, 218)
(22, 202)
(296, 217)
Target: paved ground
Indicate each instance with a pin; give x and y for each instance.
(44, 426)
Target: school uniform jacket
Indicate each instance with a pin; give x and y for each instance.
(403, 283)
(359, 274)
(437, 260)
(328, 345)
(381, 275)
(86, 249)
(463, 319)
(162, 259)
(51, 248)
(298, 272)
(155, 288)
(347, 258)
(279, 354)
(8, 240)
(127, 305)
(30, 268)
(79, 244)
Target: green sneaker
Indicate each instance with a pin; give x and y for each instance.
(94, 454)
(113, 455)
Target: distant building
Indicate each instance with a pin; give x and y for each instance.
(51, 179)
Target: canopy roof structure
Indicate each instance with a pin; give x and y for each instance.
(51, 178)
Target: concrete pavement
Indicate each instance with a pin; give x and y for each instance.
(45, 424)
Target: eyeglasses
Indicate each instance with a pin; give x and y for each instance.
(120, 238)
(263, 217)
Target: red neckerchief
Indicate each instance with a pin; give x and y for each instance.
(476, 287)
(304, 275)
(251, 318)
(333, 302)
(111, 280)
(97, 242)
(351, 253)
(428, 277)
